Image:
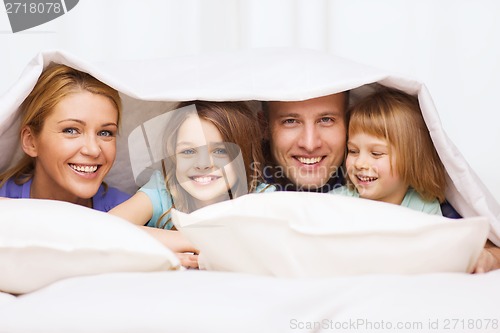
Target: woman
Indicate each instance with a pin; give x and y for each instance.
(68, 130)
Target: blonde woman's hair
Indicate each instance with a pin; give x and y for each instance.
(55, 83)
(396, 117)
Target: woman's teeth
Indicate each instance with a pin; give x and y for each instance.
(84, 168)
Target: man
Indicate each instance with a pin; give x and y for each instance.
(305, 146)
(306, 143)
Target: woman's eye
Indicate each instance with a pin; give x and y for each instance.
(377, 154)
(106, 133)
(70, 130)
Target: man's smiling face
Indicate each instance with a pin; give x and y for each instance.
(308, 138)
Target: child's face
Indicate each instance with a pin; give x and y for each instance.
(369, 168)
(202, 157)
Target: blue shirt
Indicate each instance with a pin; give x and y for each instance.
(412, 200)
(162, 201)
(104, 200)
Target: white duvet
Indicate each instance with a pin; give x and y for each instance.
(206, 301)
(150, 87)
(202, 301)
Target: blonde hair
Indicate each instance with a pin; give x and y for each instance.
(237, 124)
(396, 117)
(54, 84)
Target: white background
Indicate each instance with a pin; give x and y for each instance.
(453, 46)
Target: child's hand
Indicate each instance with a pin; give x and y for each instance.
(172, 239)
(188, 260)
(176, 242)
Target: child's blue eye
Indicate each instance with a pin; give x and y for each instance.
(187, 152)
(220, 151)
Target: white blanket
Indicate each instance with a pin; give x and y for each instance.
(199, 301)
(205, 301)
(150, 87)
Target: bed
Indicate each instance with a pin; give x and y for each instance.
(401, 270)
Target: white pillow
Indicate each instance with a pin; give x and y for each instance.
(298, 234)
(42, 241)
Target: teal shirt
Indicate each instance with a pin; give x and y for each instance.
(412, 200)
(162, 201)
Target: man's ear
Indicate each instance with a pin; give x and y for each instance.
(28, 142)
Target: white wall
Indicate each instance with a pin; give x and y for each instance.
(451, 45)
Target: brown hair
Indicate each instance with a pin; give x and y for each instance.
(396, 116)
(237, 124)
(55, 83)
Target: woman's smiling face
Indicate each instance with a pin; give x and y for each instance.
(75, 149)
(203, 166)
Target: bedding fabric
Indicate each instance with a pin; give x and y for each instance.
(43, 241)
(203, 301)
(297, 234)
(207, 301)
(151, 87)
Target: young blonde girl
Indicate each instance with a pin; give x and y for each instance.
(390, 154)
